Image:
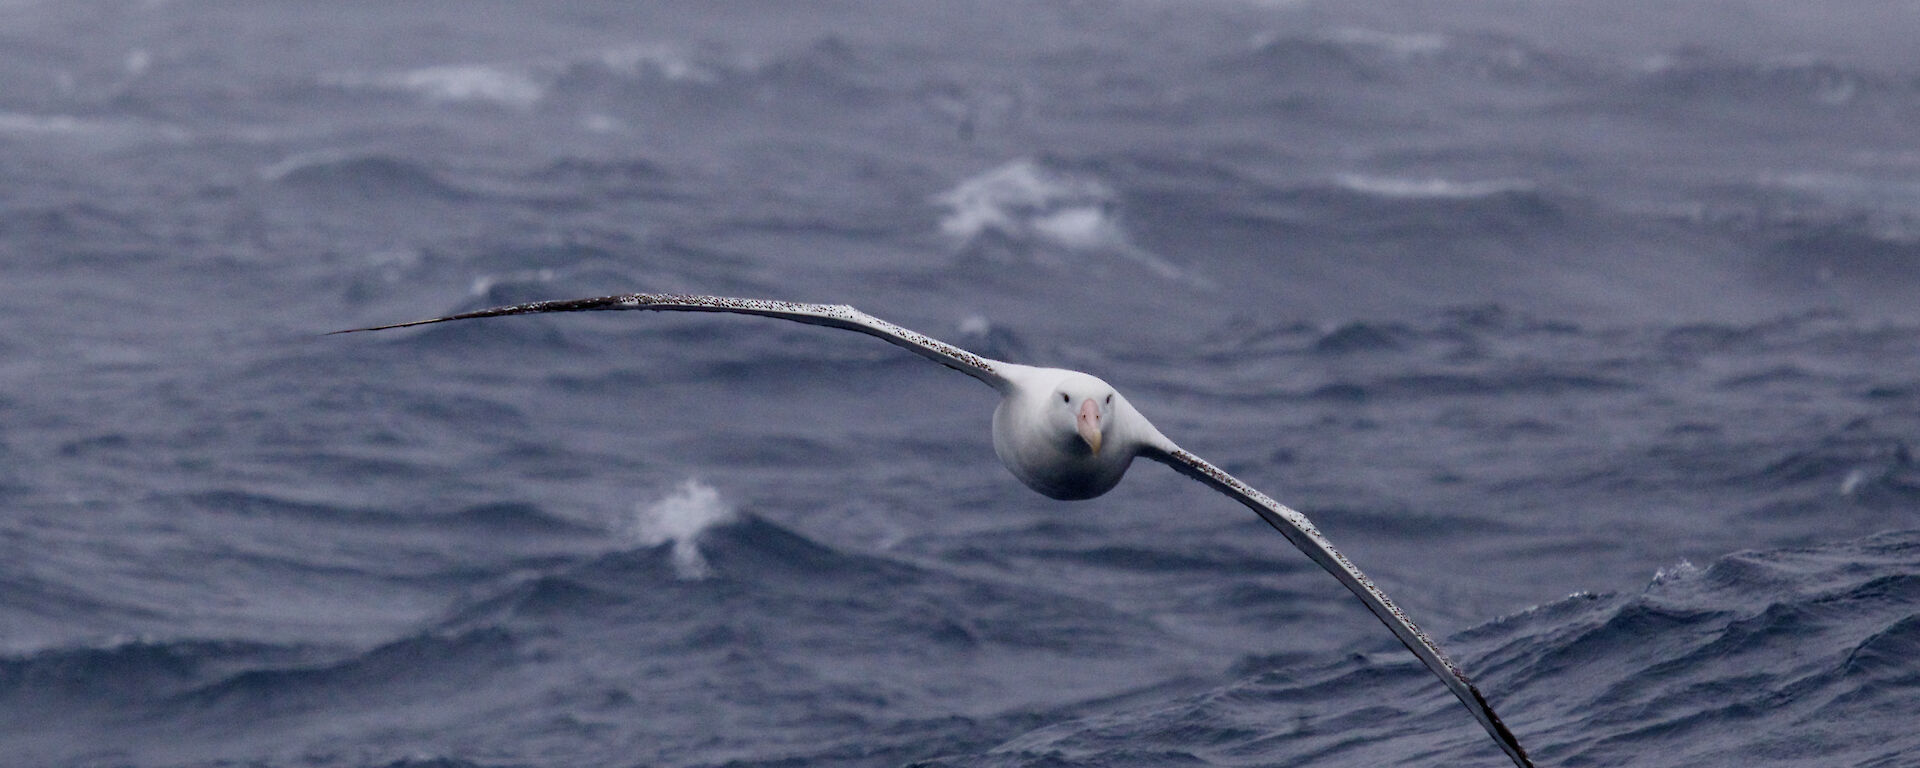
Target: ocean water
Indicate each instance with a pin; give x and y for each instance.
(1591, 334)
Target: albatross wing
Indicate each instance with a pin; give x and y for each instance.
(829, 315)
(1291, 524)
(1299, 530)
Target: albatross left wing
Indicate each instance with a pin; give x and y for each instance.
(829, 315)
(1299, 530)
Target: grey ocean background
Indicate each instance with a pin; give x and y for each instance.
(1589, 330)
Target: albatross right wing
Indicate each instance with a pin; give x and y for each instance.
(1299, 530)
(829, 315)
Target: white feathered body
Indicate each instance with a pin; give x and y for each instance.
(1035, 434)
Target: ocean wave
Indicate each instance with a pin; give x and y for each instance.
(78, 220)
(1318, 58)
(680, 519)
(1401, 45)
(980, 335)
(420, 667)
(1710, 338)
(1354, 57)
(1693, 74)
(1840, 256)
(1760, 639)
(20, 123)
(1805, 644)
(1363, 337)
(361, 175)
(668, 61)
(831, 65)
(132, 672)
(830, 68)
(422, 761)
(1862, 465)
(592, 181)
(1018, 198)
(451, 83)
(40, 612)
(1428, 188)
(1484, 384)
(749, 566)
(1027, 211)
(503, 517)
(1200, 557)
(687, 541)
(1350, 205)
(524, 86)
(27, 125)
(1438, 207)
(1868, 188)
(1787, 375)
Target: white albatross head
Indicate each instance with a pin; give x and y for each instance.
(1066, 434)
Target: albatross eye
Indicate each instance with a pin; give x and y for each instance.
(1109, 398)
(1064, 398)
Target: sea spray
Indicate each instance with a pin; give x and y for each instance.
(680, 518)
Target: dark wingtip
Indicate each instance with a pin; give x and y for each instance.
(386, 327)
(1507, 739)
(625, 301)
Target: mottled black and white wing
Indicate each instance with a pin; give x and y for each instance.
(1299, 530)
(1291, 524)
(829, 315)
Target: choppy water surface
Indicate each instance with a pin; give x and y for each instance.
(1590, 334)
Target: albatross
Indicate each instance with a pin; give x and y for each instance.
(1069, 436)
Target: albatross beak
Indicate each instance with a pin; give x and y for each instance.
(1088, 424)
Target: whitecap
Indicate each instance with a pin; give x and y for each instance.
(484, 283)
(291, 164)
(1008, 198)
(680, 518)
(975, 325)
(505, 86)
(471, 83)
(1027, 203)
(1852, 189)
(67, 126)
(1856, 479)
(1680, 571)
(1432, 188)
(671, 62)
(1397, 44)
(601, 123)
(57, 125)
(1081, 227)
(137, 62)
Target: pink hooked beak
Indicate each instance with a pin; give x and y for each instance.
(1087, 423)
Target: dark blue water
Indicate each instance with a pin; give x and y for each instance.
(1593, 335)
